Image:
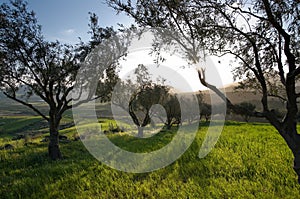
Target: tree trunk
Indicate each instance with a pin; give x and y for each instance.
(292, 138)
(296, 153)
(169, 126)
(53, 148)
(206, 118)
(297, 163)
(169, 123)
(140, 132)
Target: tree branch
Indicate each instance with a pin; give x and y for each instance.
(229, 104)
(247, 12)
(26, 104)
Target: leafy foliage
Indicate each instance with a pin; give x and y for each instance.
(48, 69)
(247, 110)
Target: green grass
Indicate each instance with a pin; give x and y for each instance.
(249, 161)
(16, 124)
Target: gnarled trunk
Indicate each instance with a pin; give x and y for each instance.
(292, 139)
(169, 126)
(53, 147)
(140, 132)
(297, 162)
(169, 123)
(296, 152)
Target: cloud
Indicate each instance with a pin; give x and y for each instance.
(68, 32)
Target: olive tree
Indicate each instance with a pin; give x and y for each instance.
(173, 110)
(45, 69)
(141, 102)
(205, 110)
(246, 110)
(262, 35)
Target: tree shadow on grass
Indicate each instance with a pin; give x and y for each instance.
(26, 171)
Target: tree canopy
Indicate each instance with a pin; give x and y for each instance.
(47, 69)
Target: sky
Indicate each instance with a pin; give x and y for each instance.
(66, 20)
(175, 69)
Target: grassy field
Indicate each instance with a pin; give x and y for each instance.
(249, 161)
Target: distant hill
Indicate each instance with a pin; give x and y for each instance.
(238, 96)
(10, 107)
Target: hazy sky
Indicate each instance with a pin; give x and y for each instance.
(66, 20)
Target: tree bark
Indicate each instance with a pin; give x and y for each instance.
(297, 162)
(140, 132)
(294, 144)
(169, 122)
(169, 126)
(53, 147)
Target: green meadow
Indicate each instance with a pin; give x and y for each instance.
(250, 160)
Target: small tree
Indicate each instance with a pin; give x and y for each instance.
(247, 110)
(188, 112)
(141, 103)
(205, 111)
(136, 96)
(172, 108)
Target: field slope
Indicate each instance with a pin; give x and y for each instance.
(249, 161)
